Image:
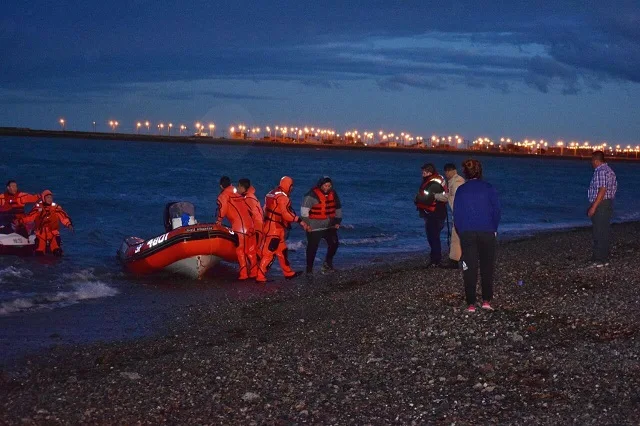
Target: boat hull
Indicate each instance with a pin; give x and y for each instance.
(17, 245)
(188, 250)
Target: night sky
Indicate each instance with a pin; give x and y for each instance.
(539, 69)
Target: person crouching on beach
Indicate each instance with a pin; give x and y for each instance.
(433, 212)
(278, 216)
(322, 211)
(47, 215)
(232, 206)
(477, 210)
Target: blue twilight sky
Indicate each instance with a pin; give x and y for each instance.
(550, 69)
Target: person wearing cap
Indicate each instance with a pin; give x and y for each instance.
(322, 211)
(47, 216)
(12, 204)
(278, 217)
(433, 212)
(232, 205)
(454, 181)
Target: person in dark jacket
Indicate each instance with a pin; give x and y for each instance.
(322, 211)
(476, 220)
(433, 212)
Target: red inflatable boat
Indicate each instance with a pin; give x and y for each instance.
(187, 248)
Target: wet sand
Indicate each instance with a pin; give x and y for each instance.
(388, 344)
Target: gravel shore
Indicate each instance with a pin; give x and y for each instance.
(386, 345)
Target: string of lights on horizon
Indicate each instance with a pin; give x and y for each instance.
(366, 137)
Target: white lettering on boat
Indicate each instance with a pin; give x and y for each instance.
(157, 240)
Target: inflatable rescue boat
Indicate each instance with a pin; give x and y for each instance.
(187, 247)
(15, 244)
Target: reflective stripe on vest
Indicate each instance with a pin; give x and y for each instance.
(430, 207)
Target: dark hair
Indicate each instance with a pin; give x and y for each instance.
(323, 180)
(449, 166)
(598, 155)
(244, 182)
(10, 181)
(225, 181)
(429, 168)
(472, 169)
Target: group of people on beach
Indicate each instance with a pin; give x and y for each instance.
(262, 230)
(476, 212)
(45, 218)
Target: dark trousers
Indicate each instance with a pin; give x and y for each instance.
(433, 226)
(478, 248)
(602, 231)
(313, 241)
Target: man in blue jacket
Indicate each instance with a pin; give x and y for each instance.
(477, 217)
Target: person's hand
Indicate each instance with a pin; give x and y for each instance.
(591, 211)
(337, 226)
(305, 226)
(71, 229)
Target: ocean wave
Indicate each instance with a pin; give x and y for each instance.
(296, 245)
(376, 239)
(13, 272)
(81, 291)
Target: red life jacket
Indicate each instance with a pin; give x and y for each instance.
(429, 207)
(326, 208)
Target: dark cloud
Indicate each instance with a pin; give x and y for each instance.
(399, 82)
(564, 46)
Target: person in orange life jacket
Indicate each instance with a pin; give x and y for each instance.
(231, 205)
(47, 215)
(255, 209)
(12, 204)
(322, 211)
(278, 216)
(433, 212)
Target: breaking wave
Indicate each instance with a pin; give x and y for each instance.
(13, 272)
(83, 286)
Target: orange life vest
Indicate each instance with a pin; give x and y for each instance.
(47, 218)
(277, 209)
(326, 207)
(13, 204)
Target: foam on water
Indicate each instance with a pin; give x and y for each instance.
(81, 285)
(11, 273)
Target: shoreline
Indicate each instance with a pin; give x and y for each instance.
(386, 344)
(205, 140)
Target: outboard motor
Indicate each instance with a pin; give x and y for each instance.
(177, 214)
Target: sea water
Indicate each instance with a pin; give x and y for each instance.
(116, 189)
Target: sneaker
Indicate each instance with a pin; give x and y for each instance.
(326, 268)
(471, 308)
(433, 265)
(487, 306)
(601, 264)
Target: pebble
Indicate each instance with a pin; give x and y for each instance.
(250, 397)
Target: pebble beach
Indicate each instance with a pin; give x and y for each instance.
(381, 344)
